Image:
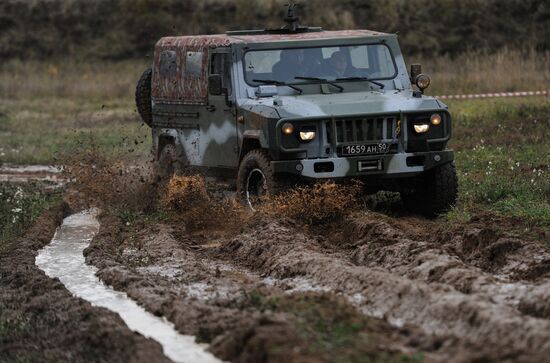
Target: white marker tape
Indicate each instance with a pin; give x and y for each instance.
(495, 95)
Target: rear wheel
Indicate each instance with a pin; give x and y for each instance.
(434, 193)
(255, 179)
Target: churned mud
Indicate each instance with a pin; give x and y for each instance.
(428, 284)
(327, 283)
(466, 293)
(246, 316)
(63, 259)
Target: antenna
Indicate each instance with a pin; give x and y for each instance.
(292, 25)
(291, 18)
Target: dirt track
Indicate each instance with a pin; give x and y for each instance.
(471, 294)
(42, 322)
(267, 288)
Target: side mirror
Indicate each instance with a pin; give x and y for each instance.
(215, 84)
(416, 70)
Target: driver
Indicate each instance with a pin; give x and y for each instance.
(339, 65)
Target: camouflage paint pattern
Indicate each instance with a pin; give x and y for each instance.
(183, 88)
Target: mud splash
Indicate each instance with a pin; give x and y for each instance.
(64, 259)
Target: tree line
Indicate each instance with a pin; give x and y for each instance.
(122, 29)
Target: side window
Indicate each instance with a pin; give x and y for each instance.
(168, 64)
(220, 64)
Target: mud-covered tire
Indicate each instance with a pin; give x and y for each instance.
(255, 165)
(434, 193)
(143, 96)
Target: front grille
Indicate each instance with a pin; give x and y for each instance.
(366, 129)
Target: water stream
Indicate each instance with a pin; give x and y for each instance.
(63, 258)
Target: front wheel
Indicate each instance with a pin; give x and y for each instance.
(434, 193)
(255, 179)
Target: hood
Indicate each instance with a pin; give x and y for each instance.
(342, 104)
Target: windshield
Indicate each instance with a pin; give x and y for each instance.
(373, 61)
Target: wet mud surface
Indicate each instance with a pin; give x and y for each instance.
(42, 322)
(266, 287)
(467, 294)
(245, 315)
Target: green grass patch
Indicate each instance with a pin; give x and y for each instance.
(43, 130)
(21, 205)
(503, 158)
(332, 328)
(129, 216)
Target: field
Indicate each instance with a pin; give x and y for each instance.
(53, 110)
(372, 284)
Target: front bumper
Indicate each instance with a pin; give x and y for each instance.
(387, 165)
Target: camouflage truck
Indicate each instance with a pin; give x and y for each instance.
(265, 107)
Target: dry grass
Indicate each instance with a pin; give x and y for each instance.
(47, 109)
(504, 71)
(69, 79)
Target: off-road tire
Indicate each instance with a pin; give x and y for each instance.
(143, 96)
(434, 193)
(257, 159)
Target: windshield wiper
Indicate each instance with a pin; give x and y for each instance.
(381, 85)
(321, 80)
(278, 83)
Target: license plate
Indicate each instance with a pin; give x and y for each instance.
(363, 149)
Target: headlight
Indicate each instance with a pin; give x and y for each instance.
(422, 81)
(435, 119)
(421, 128)
(288, 128)
(307, 135)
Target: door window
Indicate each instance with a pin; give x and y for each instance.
(220, 64)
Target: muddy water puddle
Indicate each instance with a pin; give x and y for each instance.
(27, 173)
(63, 259)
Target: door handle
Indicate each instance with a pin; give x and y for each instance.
(211, 108)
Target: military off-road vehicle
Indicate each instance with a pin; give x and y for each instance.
(267, 106)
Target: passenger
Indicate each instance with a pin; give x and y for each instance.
(289, 65)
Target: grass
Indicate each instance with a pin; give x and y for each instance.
(333, 330)
(21, 205)
(480, 72)
(502, 156)
(40, 131)
(51, 109)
